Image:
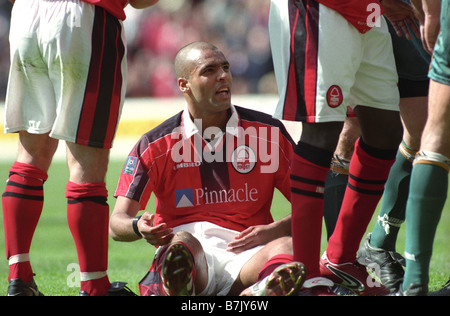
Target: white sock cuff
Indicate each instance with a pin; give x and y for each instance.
(23, 257)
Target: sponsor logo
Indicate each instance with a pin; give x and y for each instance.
(204, 196)
(184, 198)
(187, 165)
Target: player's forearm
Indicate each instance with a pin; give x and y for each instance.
(121, 228)
(141, 4)
(432, 8)
(283, 226)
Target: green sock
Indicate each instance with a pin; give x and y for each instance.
(392, 211)
(428, 193)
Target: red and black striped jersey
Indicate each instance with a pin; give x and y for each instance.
(115, 7)
(228, 181)
(357, 12)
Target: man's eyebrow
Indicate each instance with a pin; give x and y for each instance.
(214, 65)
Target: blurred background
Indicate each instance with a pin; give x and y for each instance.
(154, 35)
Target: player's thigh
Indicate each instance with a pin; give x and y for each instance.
(30, 103)
(437, 129)
(88, 71)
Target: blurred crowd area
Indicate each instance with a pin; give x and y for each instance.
(154, 35)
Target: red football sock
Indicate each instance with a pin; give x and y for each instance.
(22, 200)
(88, 215)
(368, 173)
(307, 188)
(274, 263)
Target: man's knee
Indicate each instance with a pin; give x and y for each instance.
(282, 245)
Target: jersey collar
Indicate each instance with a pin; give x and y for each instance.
(189, 128)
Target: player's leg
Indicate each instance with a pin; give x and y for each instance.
(178, 269)
(373, 157)
(29, 106)
(413, 64)
(271, 271)
(184, 269)
(89, 86)
(22, 203)
(428, 191)
(337, 177)
(88, 214)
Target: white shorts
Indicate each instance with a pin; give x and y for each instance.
(68, 71)
(223, 266)
(323, 64)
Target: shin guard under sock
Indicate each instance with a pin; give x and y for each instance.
(427, 197)
(308, 173)
(22, 201)
(393, 205)
(368, 173)
(88, 215)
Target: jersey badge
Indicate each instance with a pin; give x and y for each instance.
(335, 96)
(130, 165)
(243, 159)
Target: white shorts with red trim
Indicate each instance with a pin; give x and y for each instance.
(223, 266)
(68, 71)
(323, 64)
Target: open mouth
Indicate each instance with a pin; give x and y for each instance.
(223, 92)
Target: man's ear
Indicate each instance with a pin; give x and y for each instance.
(183, 85)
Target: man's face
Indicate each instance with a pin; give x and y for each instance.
(210, 81)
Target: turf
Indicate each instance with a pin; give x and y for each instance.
(53, 253)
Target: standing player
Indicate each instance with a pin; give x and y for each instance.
(328, 55)
(67, 82)
(429, 178)
(213, 176)
(412, 66)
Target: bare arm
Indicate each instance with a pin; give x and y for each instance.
(428, 12)
(142, 4)
(121, 224)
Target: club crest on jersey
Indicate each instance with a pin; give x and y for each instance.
(335, 96)
(243, 159)
(130, 165)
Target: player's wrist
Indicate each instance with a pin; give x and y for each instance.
(135, 226)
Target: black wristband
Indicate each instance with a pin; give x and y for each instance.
(135, 227)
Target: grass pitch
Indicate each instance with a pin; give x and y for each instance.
(54, 258)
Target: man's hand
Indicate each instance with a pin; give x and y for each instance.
(401, 15)
(159, 235)
(252, 237)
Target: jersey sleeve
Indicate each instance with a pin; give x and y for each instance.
(135, 179)
(286, 150)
